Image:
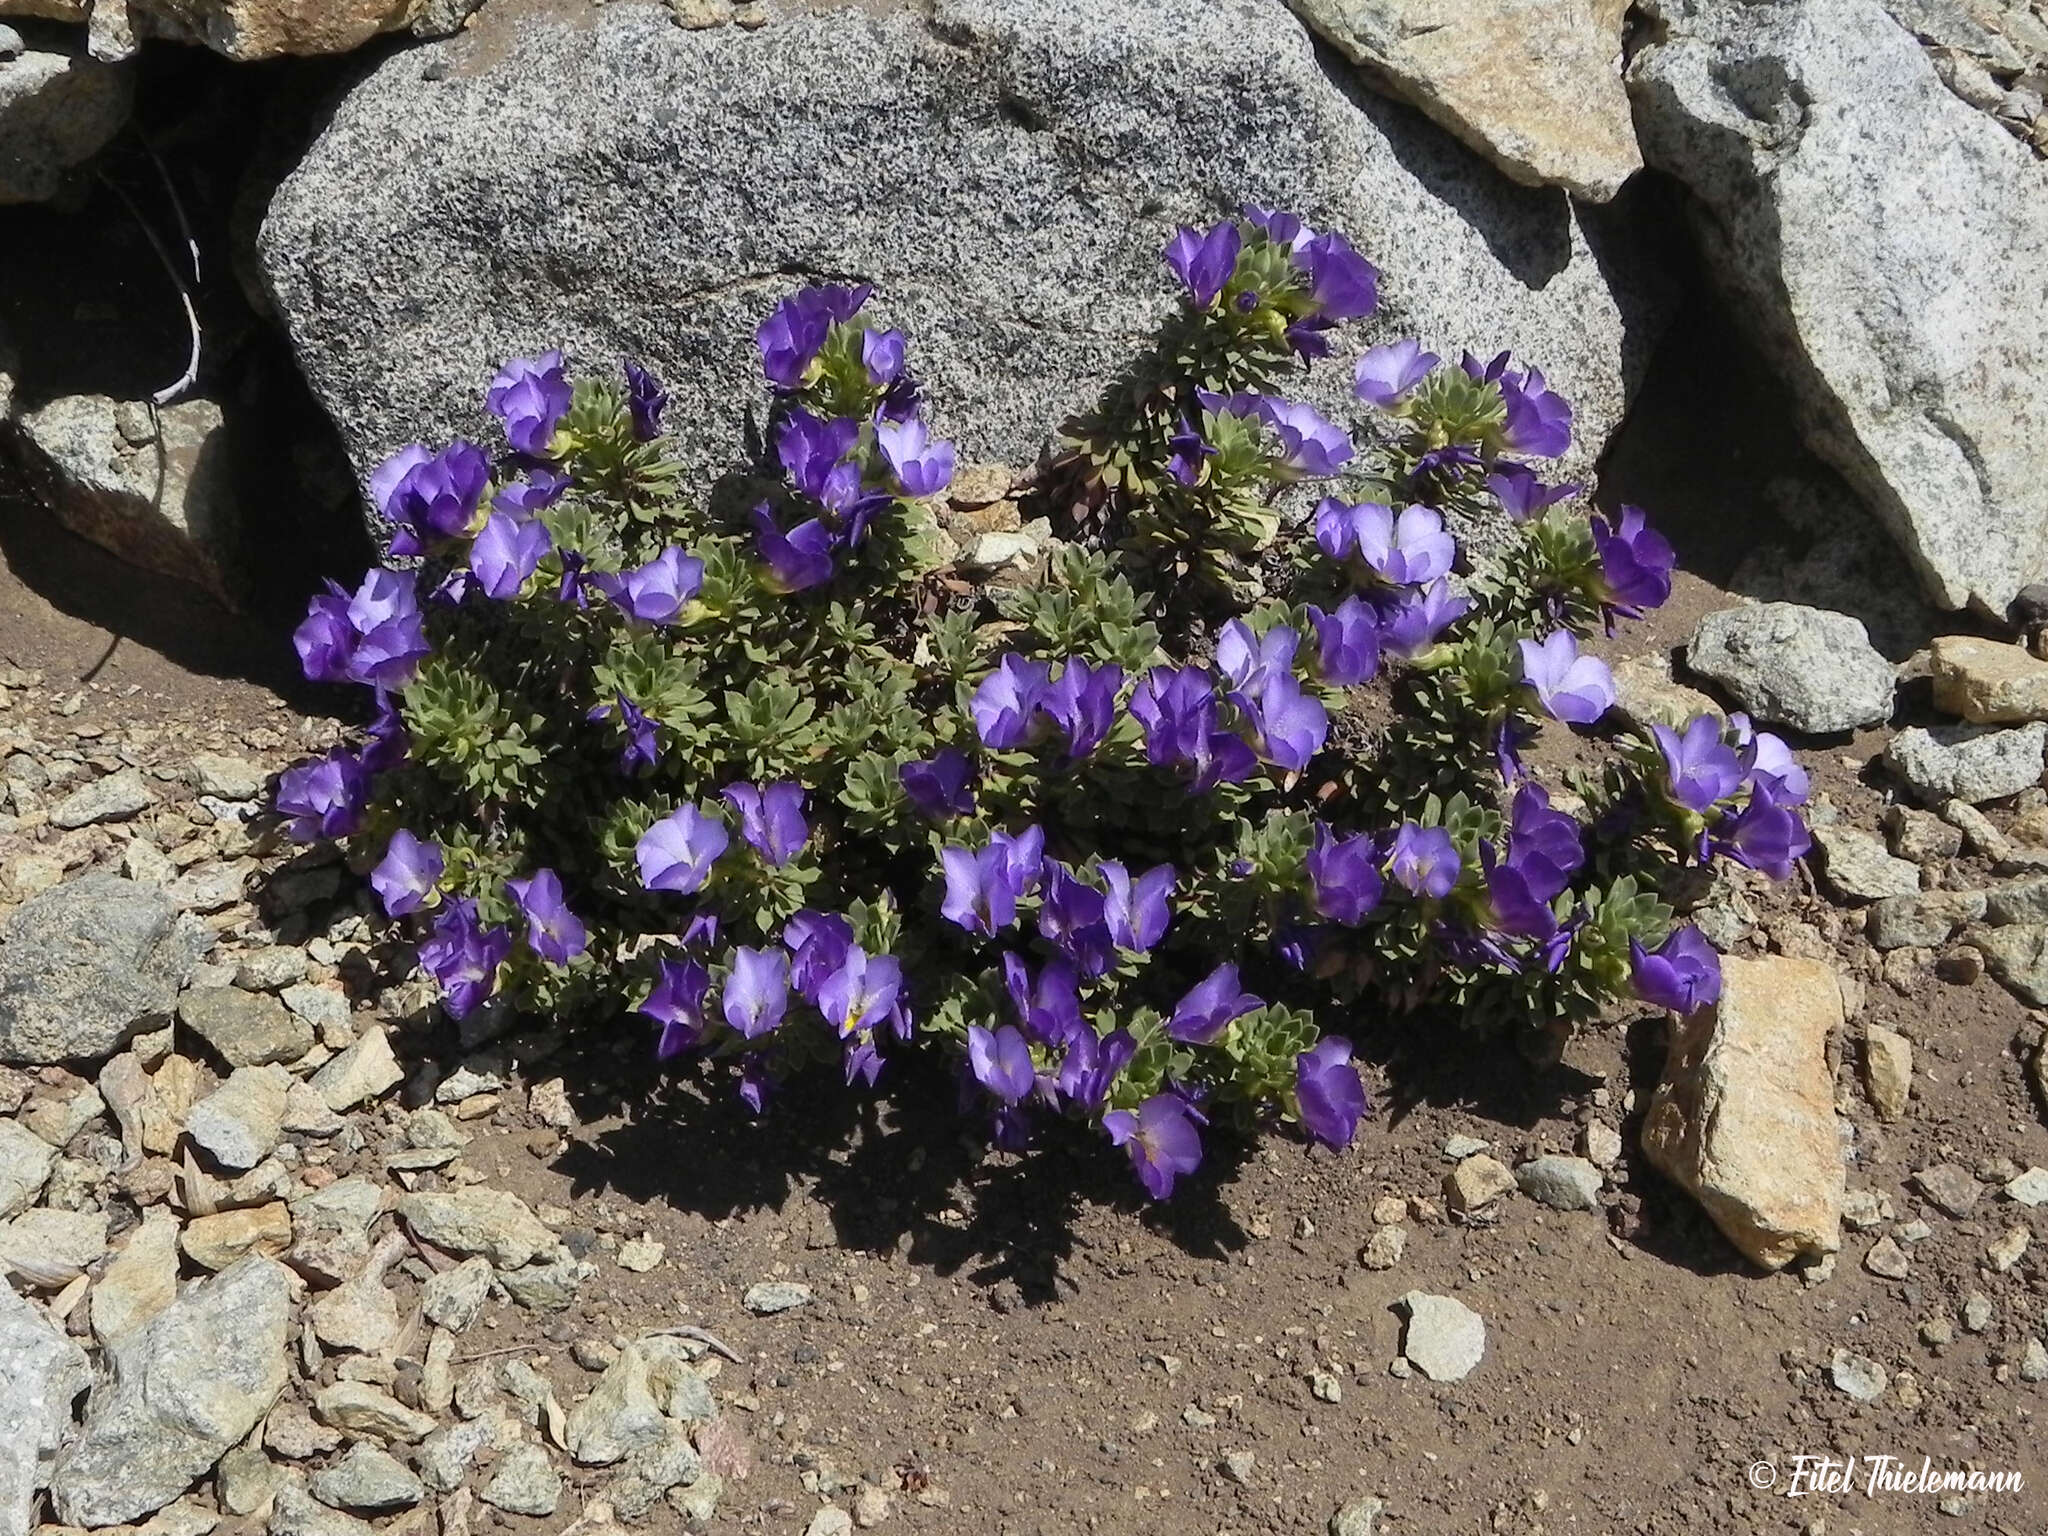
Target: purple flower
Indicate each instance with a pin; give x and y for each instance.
(1091, 1065)
(1410, 549)
(860, 993)
(430, 497)
(1764, 835)
(1309, 445)
(324, 797)
(796, 328)
(541, 489)
(982, 888)
(1344, 875)
(1001, 1062)
(1007, 703)
(463, 956)
(1208, 1007)
(921, 466)
(1416, 618)
(1328, 1092)
(576, 579)
(1699, 767)
(645, 401)
(1539, 422)
(1342, 284)
(1683, 974)
(1083, 703)
(1049, 1008)
(1425, 861)
(1520, 494)
(407, 874)
(1635, 562)
(1187, 452)
(1161, 1139)
(390, 635)
(1512, 892)
(942, 787)
(1284, 229)
(1385, 375)
(1291, 725)
(677, 852)
(655, 593)
(881, 354)
(1177, 708)
(1252, 662)
(1071, 919)
(1347, 642)
(325, 640)
(506, 553)
(813, 452)
(1137, 912)
(556, 934)
(530, 395)
(676, 1003)
(1768, 760)
(643, 743)
(861, 1058)
(771, 819)
(1204, 263)
(818, 944)
(756, 991)
(1575, 689)
(1546, 843)
(757, 1082)
(386, 742)
(798, 559)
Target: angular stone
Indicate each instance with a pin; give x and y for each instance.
(361, 1314)
(239, 1122)
(1021, 308)
(245, 1029)
(1888, 1259)
(1533, 85)
(1445, 1339)
(141, 1281)
(491, 1222)
(1806, 668)
(47, 1249)
(58, 107)
(231, 778)
(455, 1298)
(2029, 1188)
(524, 1483)
(113, 797)
(1562, 1183)
(1476, 1181)
(1856, 868)
(1987, 682)
(1950, 1186)
(1887, 1071)
(297, 1513)
(1744, 1119)
(1920, 835)
(1916, 346)
(366, 1070)
(1858, 1376)
(2023, 901)
(359, 1409)
(25, 1162)
(651, 1471)
(618, 1417)
(1968, 763)
(86, 967)
(369, 1479)
(179, 1393)
(42, 1372)
(215, 1242)
(1647, 694)
(1925, 921)
(249, 30)
(2018, 956)
(772, 1296)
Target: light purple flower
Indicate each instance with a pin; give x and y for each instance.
(1538, 422)
(657, 592)
(1006, 705)
(678, 851)
(1071, 919)
(1386, 374)
(1309, 445)
(881, 354)
(1001, 1061)
(1347, 642)
(1699, 767)
(325, 797)
(463, 956)
(1425, 861)
(756, 992)
(796, 560)
(556, 934)
(1161, 1139)
(1764, 835)
(860, 993)
(1344, 875)
(1209, 1006)
(771, 819)
(530, 395)
(1251, 661)
(1767, 759)
(507, 553)
(814, 452)
(1092, 1064)
(1409, 549)
(1575, 689)
(429, 497)
(541, 489)
(795, 330)
(1520, 494)
(1342, 284)
(676, 1003)
(1137, 912)
(1412, 624)
(922, 467)
(407, 874)
(1683, 974)
(982, 888)
(1635, 562)
(1205, 262)
(1291, 725)
(1048, 1008)
(1328, 1092)
(386, 742)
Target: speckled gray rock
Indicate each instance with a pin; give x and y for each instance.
(246, 1029)
(25, 1160)
(111, 797)
(1926, 921)
(524, 1483)
(1785, 664)
(239, 1122)
(2018, 956)
(367, 1478)
(58, 106)
(1004, 171)
(1562, 1183)
(1885, 243)
(772, 1296)
(1445, 1339)
(179, 1393)
(41, 1373)
(1856, 867)
(87, 965)
(1968, 762)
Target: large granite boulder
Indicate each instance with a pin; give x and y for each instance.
(42, 1372)
(1004, 171)
(1886, 241)
(58, 106)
